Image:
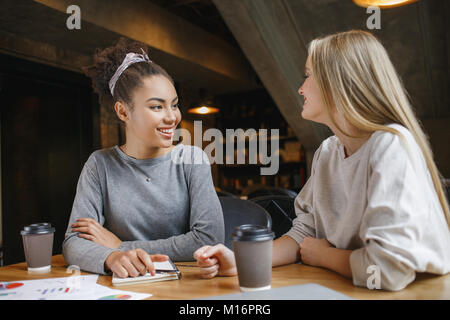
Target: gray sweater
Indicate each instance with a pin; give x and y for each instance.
(162, 205)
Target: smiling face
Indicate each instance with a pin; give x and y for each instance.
(155, 115)
(314, 108)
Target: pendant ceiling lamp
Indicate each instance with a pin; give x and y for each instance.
(203, 110)
(205, 104)
(383, 4)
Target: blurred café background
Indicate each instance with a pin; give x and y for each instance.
(244, 58)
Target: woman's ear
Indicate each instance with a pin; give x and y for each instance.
(121, 111)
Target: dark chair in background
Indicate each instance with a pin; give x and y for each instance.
(281, 210)
(267, 191)
(237, 212)
(221, 193)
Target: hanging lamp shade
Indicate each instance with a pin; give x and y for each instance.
(203, 110)
(204, 105)
(383, 4)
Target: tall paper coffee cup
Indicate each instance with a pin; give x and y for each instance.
(38, 246)
(252, 246)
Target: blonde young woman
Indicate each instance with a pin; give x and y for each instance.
(374, 196)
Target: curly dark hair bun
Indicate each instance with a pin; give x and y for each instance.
(106, 62)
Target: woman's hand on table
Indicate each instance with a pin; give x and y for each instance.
(133, 263)
(321, 253)
(215, 260)
(313, 251)
(90, 229)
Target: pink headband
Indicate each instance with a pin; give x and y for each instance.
(130, 58)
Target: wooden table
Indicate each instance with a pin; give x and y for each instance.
(191, 286)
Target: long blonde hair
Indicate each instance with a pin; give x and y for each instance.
(357, 80)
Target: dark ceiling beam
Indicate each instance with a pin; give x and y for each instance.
(267, 36)
(274, 36)
(172, 38)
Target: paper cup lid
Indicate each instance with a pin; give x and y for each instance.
(38, 228)
(251, 232)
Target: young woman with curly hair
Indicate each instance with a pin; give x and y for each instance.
(146, 199)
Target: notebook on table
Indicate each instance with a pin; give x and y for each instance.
(165, 270)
